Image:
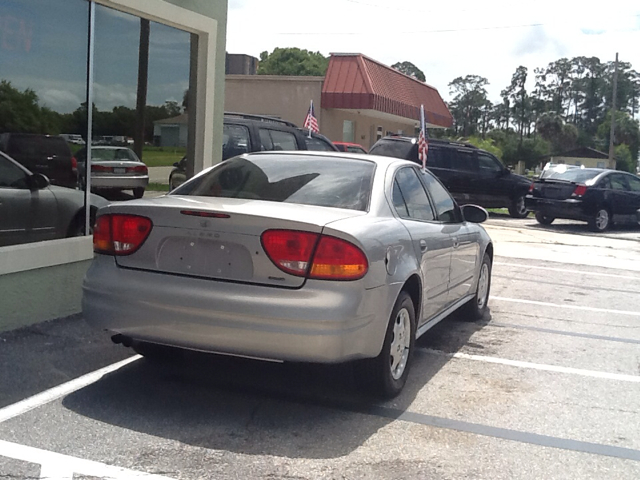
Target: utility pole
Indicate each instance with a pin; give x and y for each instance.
(613, 113)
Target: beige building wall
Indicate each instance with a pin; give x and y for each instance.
(587, 162)
(288, 98)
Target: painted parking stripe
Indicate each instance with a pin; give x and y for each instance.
(54, 393)
(567, 270)
(536, 366)
(561, 305)
(63, 467)
(564, 332)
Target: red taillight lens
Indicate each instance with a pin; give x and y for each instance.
(290, 250)
(117, 234)
(580, 190)
(334, 259)
(531, 187)
(137, 169)
(337, 259)
(100, 168)
(74, 163)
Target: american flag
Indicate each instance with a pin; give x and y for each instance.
(423, 140)
(310, 121)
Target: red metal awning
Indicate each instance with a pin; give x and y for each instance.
(354, 81)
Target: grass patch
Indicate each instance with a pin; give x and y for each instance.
(162, 156)
(504, 211)
(158, 187)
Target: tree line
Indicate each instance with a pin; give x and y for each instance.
(20, 111)
(568, 107)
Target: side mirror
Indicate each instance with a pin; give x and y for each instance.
(176, 164)
(474, 213)
(38, 181)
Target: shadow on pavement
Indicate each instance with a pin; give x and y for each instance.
(259, 408)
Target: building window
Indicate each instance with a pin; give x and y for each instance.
(379, 132)
(600, 164)
(348, 131)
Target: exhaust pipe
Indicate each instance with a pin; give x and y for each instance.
(121, 339)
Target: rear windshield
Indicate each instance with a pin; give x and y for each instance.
(321, 181)
(38, 146)
(578, 175)
(106, 154)
(396, 149)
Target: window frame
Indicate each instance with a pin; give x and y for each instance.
(414, 219)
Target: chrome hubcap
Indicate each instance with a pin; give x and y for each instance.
(520, 206)
(400, 343)
(483, 286)
(602, 219)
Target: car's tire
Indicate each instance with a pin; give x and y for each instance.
(138, 192)
(544, 219)
(518, 209)
(386, 374)
(477, 306)
(171, 186)
(601, 220)
(76, 229)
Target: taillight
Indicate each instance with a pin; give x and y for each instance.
(117, 234)
(579, 191)
(531, 187)
(74, 163)
(137, 169)
(100, 168)
(290, 250)
(337, 259)
(334, 259)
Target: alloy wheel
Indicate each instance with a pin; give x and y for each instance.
(400, 344)
(483, 286)
(602, 219)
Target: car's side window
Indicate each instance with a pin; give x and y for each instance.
(618, 182)
(464, 160)
(487, 163)
(11, 176)
(604, 183)
(277, 140)
(446, 209)
(235, 140)
(398, 200)
(634, 184)
(417, 204)
(317, 144)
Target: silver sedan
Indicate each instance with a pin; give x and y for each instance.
(114, 168)
(291, 256)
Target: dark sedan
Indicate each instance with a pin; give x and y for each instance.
(31, 210)
(599, 197)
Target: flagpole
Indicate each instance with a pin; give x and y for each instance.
(424, 136)
(313, 113)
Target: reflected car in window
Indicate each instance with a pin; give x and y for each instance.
(291, 256)
(593, 195)
(114, 168)
(31, 210)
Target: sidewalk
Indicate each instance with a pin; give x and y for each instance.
(159, 175)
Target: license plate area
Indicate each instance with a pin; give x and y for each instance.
(119, 170)
(205, 257)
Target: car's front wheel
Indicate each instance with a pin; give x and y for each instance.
(544, 219)
(477, 306)
(600, 221)
(387, 373)
(138, 192)
(518, 209)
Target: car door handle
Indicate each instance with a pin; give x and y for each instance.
(423, 246)
(456, 242)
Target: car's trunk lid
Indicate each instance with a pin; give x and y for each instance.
(220, 238)
(554, 189)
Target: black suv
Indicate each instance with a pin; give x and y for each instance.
(471, 175)
(46, 154)
(244, 133)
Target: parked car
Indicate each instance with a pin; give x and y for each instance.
(244, 133)
(73, 138)
(350, 147)
(114, 168)
(471, 175)
(551, 169)
(46, 154)
(594, 195)
(291, 256)
(31, 210)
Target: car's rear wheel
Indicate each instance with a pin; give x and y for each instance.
(601, 220)
(477, 306)
(138, 192)
(544, 219)
(387, 373)
(518, 209)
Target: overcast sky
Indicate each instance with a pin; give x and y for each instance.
(444, 39)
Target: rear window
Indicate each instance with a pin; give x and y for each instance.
(38, 146)
(397, 149)
(321, 181)
(579, 175)
(107, 154)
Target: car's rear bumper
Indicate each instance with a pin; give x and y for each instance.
(324, 322)
(120, 182)
(572, 209)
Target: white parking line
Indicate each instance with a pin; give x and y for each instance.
(560, 305)
(63, 467)
(567, 270)
(537, 366)
(54, 393)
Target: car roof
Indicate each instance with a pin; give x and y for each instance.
(379, 160)
(109, 147)
(432, 141)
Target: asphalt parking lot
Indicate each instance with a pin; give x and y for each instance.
(546, 386)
